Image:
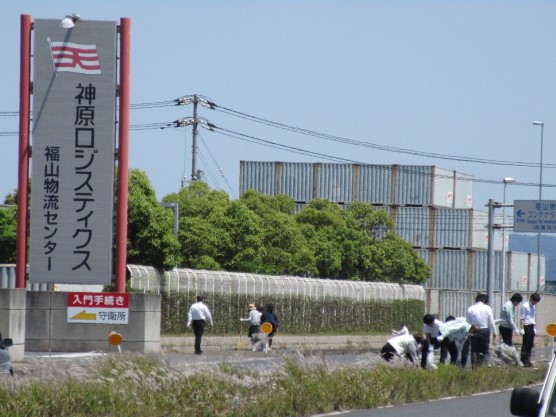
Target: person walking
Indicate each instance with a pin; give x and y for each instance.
(507, 326)
(198, 315)
(270, 317)
(406, 345)
(481, 319)
(527, 321)
(254, 320)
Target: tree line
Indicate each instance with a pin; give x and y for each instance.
(255, 233)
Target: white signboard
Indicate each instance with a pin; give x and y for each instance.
(107, 308)
(535, 216)
(74, 96)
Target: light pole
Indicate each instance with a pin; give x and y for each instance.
(507, 180)
(541, 124)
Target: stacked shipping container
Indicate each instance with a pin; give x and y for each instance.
(430, 206)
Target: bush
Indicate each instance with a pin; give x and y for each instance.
(297, 314)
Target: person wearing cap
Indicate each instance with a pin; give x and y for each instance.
(198, 314)
(254, 320)
(527, 320)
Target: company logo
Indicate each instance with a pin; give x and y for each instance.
(74, 57)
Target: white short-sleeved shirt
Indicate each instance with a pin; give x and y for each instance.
(433, 329)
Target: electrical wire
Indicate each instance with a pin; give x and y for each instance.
(349, 141)
(230, 189)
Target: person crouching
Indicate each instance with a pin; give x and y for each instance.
(407, 346)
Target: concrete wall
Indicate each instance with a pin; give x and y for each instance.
(47, 327)
(12, 320)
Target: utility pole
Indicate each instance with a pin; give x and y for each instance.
(490, 251)
(194, 146)
(194, 121)
(490, 254)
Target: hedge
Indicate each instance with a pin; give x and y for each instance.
(297, 314)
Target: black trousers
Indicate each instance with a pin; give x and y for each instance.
(527, 346)
(506, 334)
(388, 351)
(447, 346)
(198, 329)
(480, 347)
(465, 352)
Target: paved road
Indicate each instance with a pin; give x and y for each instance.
(491, 405)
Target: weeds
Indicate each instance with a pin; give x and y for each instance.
(136, 386)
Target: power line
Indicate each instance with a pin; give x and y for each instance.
(354, 142)
(230, 189)
(264, 142)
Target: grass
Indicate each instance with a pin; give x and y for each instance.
(137, 386)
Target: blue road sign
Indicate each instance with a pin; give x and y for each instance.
(535, 216)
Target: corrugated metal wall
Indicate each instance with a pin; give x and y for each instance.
(293, 179)
(375, 184)
(413, 185)
(522, 271)
(452, 228)
(258, 176)
(468, 269)
(413, 224)
(464, 190)
(335, 182)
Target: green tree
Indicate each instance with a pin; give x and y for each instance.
(150, 226)
(286, 250)
(394, 260)
(202, 231)
(8, 233)
(359, 244)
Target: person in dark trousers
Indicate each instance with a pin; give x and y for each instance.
(5, 359)
(406, 345)
(270, 317)
(527, 320)
(481, 319)
(254, 319)
(198, 315)
(507, 326)
(431, 328)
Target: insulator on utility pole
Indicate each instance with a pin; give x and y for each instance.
(196, 174)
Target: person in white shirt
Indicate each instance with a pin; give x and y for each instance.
(401, 331)
(456, 329)
(507, 324)
(527, 320)
(254, 320)
(480, 317)
(431, 328)
(407, 346)
(198, 314)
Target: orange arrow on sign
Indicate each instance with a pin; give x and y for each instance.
(85, 316)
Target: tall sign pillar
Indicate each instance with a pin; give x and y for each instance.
(73, 141)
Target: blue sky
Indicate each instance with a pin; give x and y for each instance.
(456, 78)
